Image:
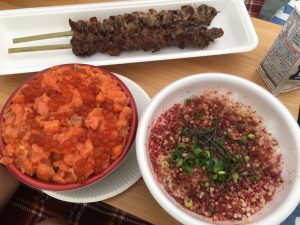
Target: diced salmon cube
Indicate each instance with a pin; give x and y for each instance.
(38, 154)
(50, 79)
(118, 107)
(126, 113)
(58, 179)
(71, 132)
(41, 104)
(9, 150)
(124, 116)
(44, 172)
(17, 109)
(77, 99)
(87, 149)
(51, 126)
(94, 118)
(70, 178)
(116, 151)
(28, 168)
(62, 165)
(70, 158)
(5, 160)
(19, 98)
(100, 97)
(10, 131)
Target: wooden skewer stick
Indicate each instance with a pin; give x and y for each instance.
(43, 36)
(39, 48)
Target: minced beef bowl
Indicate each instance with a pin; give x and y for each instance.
(214, 156)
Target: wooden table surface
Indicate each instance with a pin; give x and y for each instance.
(153, 76)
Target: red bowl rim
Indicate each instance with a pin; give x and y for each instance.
(33, 182)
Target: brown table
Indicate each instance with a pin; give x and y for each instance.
(153, 76)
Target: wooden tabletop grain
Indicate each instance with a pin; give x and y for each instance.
(153, 76)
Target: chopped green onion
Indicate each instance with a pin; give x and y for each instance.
(164, 164)
(207, 154)
(179, 162)
(243, 140)
(181, 145)
(236, 158)
(208, 163)
(253, 178)
(188, 101)
(235, 177)
(211, 209)
(188, 169)
(247, 158)
(197, 151)
(251, 136)
(218, 165)
(228, 135)
(189, 162)
(185, 130)
(220, 141)
(175, 155)
(199, 117)
(215, 177)
(206, 151)
(221, 178)
(188, 202)
(215, 120)
(198, 162)
(191, 156)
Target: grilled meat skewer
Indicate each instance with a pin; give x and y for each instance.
(148, 31)
(154, 39)
(151, 30)
(203, 15)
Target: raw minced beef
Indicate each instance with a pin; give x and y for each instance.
(215, 157)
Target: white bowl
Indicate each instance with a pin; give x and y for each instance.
(276, 117)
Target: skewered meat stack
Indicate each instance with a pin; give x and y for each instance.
(151, 31)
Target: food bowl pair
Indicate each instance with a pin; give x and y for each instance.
(275, 116)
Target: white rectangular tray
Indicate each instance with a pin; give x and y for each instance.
(239, 34)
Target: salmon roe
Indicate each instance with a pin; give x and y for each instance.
(67, 124)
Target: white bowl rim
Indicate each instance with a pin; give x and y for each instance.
(277, 216)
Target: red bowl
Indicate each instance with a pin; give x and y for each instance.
(36, 183)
